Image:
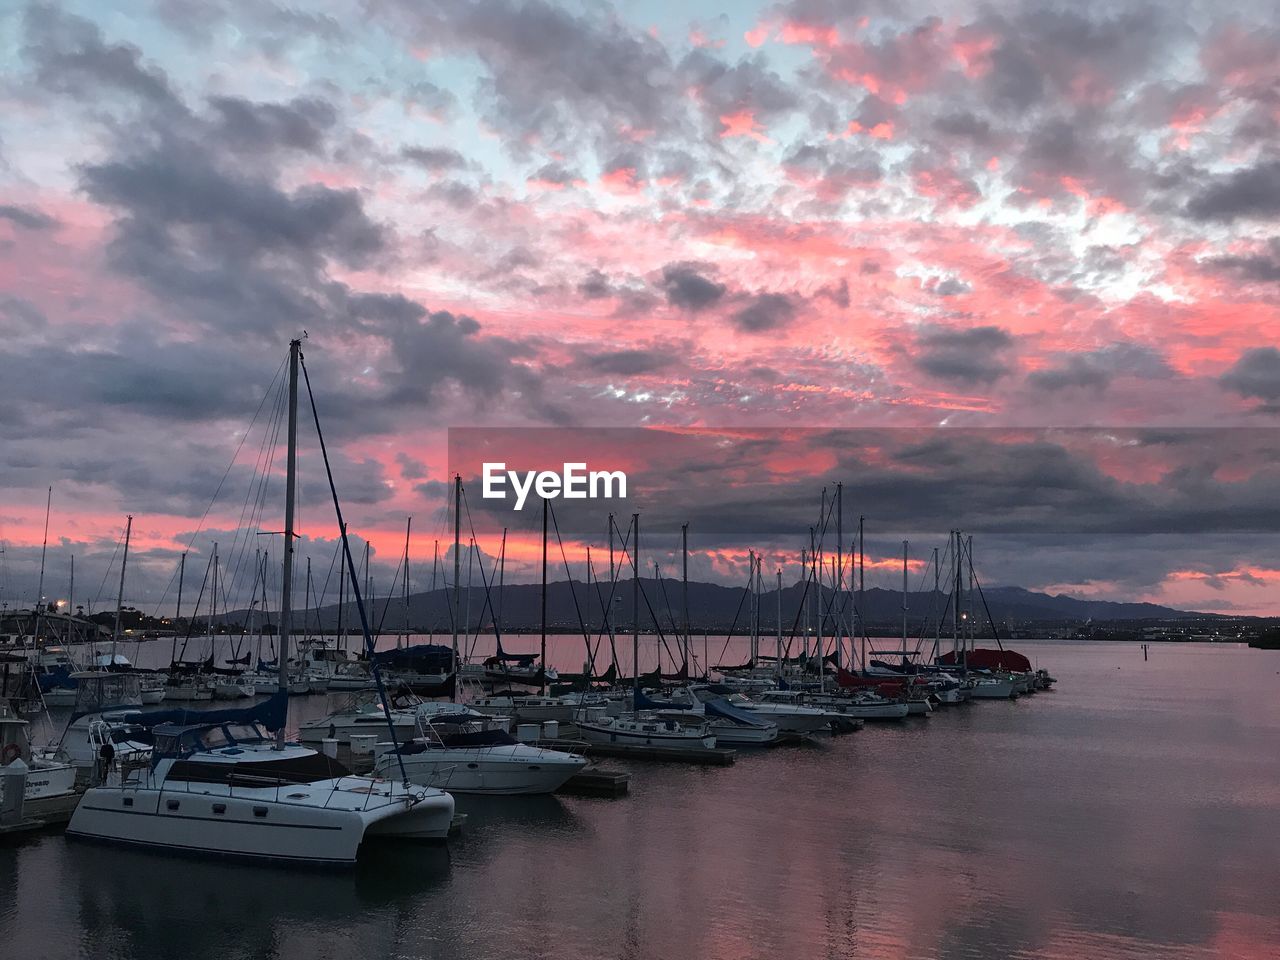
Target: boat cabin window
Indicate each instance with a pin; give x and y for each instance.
(246, 732)
(213, 738)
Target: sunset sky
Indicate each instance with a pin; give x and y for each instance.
(713, 215)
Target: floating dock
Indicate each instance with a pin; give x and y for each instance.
(593, 782)
(43, 815)
(717, 757)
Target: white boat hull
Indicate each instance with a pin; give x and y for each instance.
(800, 721)
(733, 735)
(212, 821)
(500, 771)
(405, 728)
(657, 738)
(993, 690)
(891, 710)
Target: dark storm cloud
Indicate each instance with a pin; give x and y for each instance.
(1253, 192)
(71, 56)
(301, 124)
(952, 287)
(26, 217)
(749, 85)
(179, 187)
(1256, 374)
(766, 311)
(629, 363)
(21, 316)
(595, 286)
(550, 70)
(1262, 267)
(964, 125)
(435, 158)
(687, 287)
(1098, 368)
(204, 222)
(557, 174)
(970, 355)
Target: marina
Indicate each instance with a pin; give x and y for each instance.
(977, 833)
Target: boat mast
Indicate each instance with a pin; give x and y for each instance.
(969, 599)
(435, 564)
(502, 578)
(608, 610)
(904, 598)
(635, 606)
(684, 585)
(839, 584)
(44, 546)
(306, 608)
(368, 578)
(862, 586)
(177, 610)
(404, 633)
(115, 634)
(466, 619)
(937, 624)
(457, 571)
(955, 617)
(342, 594)
(542, 669)
(779, 624)
(290, 485)
(71, 597)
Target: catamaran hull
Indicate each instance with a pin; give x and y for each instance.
(245, 827)
(430, 819)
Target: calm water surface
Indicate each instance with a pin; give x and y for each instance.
(1132, 812)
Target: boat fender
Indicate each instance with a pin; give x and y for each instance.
(11, 753)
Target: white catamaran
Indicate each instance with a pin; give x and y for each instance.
(217, 783)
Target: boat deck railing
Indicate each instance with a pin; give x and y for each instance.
(136, 776)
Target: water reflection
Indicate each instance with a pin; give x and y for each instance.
(1131, 814)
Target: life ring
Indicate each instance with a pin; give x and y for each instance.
(11, 753)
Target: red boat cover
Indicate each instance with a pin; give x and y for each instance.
(847, 680)
(981, 659)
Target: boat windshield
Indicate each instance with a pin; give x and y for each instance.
(246, 732)
(213, 738)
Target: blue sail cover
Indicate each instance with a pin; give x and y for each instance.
(648, 703)
(271, 713)
(723, 708)
(421, 657)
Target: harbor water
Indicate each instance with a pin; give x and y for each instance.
(1131, 812)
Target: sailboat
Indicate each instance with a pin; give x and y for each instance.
(218, 782)
(642, 729)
